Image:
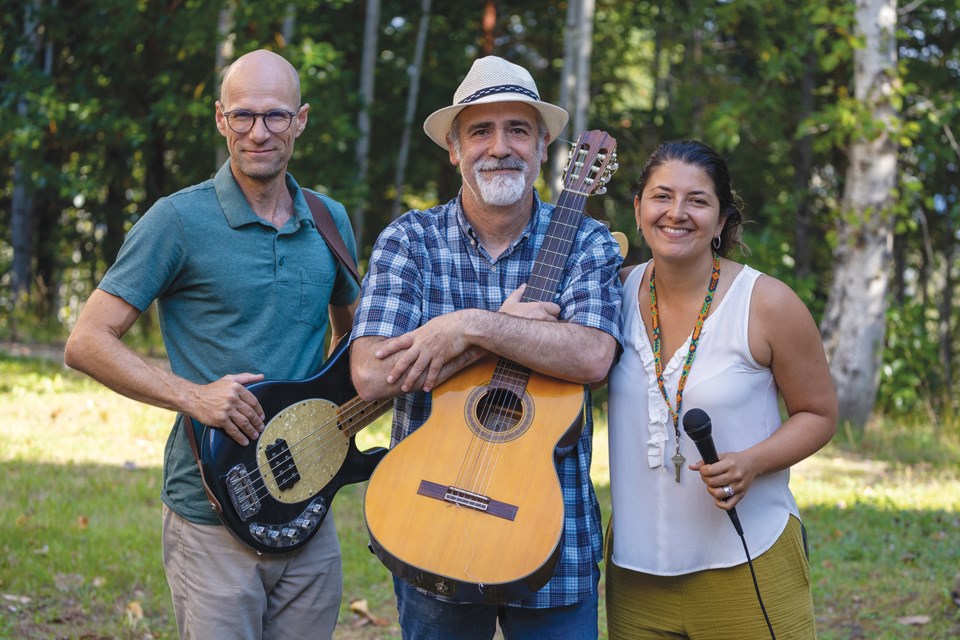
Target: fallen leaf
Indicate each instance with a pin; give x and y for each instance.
(134, 613)
(359, 608)
(83, 522)
(914, 620)
(9, 597)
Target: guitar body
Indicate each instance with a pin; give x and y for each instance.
(469, 506)
(275, 492)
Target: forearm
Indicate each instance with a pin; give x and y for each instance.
(372, 373)
(341, 321)
(431, 353)
(563, 350)
(106, 359)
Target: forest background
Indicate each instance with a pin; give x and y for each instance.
(836, 119)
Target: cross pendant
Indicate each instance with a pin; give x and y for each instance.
(678, 461)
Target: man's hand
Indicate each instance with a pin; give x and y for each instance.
(226, 404)
(423, 352)
(544, 311)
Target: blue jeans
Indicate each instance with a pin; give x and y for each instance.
(423, 617)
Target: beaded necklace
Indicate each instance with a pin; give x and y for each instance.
(678, 458)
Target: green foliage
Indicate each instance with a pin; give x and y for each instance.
(118, 98)
(911, 371)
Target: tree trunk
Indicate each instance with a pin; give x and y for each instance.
(804, 170)
(854, 320)
(371, 31)
(489, 24)
(21, 200)
(226, 23)
(584, 50)
(568, 82)
(289, 24)
(414, 72)
(944, 329)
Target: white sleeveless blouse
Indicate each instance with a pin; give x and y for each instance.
(662, 527)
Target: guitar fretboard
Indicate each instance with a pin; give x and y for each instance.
(545, 277)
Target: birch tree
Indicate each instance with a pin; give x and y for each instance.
(854, 319)
(574, 81)
(414, 72)
(371, 30)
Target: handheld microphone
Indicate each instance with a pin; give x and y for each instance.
(697, 425)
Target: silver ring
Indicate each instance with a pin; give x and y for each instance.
(728, 492)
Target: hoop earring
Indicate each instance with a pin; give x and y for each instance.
(716, 242)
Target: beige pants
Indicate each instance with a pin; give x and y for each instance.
(222, 589)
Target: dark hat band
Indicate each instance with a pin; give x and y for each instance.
(502, 88)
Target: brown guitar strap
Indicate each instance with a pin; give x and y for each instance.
(331, 235)
(328, 229)
(192, 437)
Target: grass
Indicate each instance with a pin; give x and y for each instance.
(80, 522)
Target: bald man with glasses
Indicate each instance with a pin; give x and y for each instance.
(246, 288)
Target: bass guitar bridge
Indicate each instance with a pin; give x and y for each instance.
(242, 493)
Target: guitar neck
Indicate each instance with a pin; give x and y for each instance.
(547, 272)
(591, 162)
(355, 414)
(545, 277)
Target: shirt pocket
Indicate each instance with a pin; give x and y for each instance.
(316, 286)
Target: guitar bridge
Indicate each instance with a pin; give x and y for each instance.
(466, 498)
(469, 499)
(242, 493)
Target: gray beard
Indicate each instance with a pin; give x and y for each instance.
(501, 191)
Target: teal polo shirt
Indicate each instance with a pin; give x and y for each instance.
(234, 295)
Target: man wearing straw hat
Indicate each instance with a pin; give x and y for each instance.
(444, 289)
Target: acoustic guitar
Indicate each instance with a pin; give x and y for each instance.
(275, 492)
(469, 506)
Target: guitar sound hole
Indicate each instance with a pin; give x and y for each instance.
(499, 410)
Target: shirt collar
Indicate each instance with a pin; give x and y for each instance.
(237, 210)
(467, 229)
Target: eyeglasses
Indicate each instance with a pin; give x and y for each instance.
(275, 120)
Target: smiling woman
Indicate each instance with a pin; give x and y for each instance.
(701, 330)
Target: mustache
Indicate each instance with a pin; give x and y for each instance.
(493, 164)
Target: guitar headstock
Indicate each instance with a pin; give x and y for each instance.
(592, 162)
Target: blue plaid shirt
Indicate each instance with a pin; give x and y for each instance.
(429, 263)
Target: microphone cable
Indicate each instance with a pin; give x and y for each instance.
(697, 425)
(756, 587)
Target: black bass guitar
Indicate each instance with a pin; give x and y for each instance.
(274, 493)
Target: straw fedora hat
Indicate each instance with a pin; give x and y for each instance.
(493, 79)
